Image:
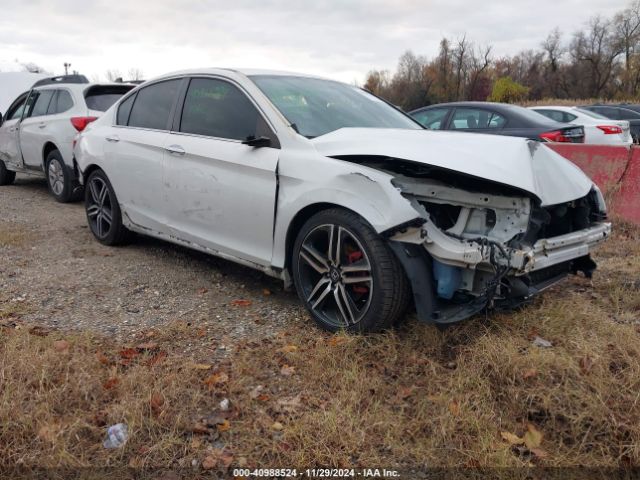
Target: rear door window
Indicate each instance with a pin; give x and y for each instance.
(42, 98)
(476, 118)
(216, 108)
(153, 105)
(433, 119)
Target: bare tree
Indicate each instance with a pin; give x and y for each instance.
(627, 31)
(135, 74)
(113, 75)
(459, 58)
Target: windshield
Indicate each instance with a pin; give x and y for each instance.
(315, 107)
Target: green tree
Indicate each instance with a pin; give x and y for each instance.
(505, 90)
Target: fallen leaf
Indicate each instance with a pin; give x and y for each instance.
(266, 292)
(48, 433)
(209, 463)
(129, 353)
(241, 303)
(157, 358)
(529, 373)
(288, 349)
(336, 340)
(533, 437)
(156, 402)
(202, 291)
(216, 379)
(405, 393)
(226, 458)
(61, 346)
(538, 452)
(39, 331)
(110, 383)
(586, 364)
(511, 438)
(277, 426)
(263, 397)
(224, 426)
(287, 370)
(199, 366)
(102, 358)
(454, 408)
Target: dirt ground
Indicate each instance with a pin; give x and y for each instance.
(51, 261)
(213, 367)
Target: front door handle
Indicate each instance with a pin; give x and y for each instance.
(112, 138)
(42, 125)
(175, 150)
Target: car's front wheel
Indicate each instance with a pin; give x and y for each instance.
(6, 176)
(346, 275)
(103, 211)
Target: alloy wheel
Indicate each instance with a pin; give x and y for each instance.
(99, 209)
(56, 176)
(335, 275)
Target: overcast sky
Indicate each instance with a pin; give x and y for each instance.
(341, 39)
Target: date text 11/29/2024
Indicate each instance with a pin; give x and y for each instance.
(315, 473)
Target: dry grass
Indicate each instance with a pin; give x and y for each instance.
(410, 399)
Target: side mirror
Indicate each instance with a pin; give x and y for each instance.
(257, 141)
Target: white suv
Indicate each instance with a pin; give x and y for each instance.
(38, 130)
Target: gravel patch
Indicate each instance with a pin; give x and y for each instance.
(51, 262)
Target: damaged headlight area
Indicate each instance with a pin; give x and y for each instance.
(478, 250)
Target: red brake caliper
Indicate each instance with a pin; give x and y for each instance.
(353, 257)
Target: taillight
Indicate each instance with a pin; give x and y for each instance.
(80, 123)
(554, 136)
(610, 129)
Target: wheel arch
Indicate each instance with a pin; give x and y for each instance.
(88, 171)
(47, 148)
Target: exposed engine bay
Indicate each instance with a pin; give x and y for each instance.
(484, 244)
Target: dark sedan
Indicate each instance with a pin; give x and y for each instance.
(622, 111)
(496, 119)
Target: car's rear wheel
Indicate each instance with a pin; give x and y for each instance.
(6, 176)
(346, 275)
(103, 211)
(59, 177)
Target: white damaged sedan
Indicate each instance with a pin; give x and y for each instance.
(329, 188)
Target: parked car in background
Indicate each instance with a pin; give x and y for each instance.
(38, 130)
(496, 119)
(326, 186)
(598, 129)
(628, 112)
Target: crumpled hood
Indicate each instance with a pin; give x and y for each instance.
(524, 164)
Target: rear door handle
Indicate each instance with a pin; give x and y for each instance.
(175, 150)
(112, 138)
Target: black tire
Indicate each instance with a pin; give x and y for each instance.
(59, 178)
(100, 205)
(384, 292)
(7, 177)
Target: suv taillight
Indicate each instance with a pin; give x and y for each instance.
(80, 123)
(610, 129)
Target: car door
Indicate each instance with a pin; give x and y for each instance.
(480, 120)
(33, 128)
(134, 151)
(9, 141)
(220, 193)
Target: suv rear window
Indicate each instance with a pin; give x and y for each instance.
(101, 97)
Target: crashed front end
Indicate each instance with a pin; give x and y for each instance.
(477, 249)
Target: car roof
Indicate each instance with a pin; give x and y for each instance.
(247, 72)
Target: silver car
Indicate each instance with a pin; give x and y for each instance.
(331, 189)
(38, 129)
